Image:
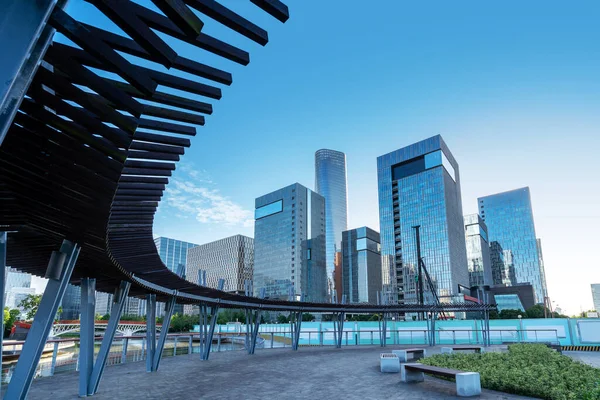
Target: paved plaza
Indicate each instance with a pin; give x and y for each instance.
(310, 373)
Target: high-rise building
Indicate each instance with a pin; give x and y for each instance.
(361, 265)
(478, 251)
(173, 254)
(103, 303)
(419, 185)
(542, 267)
(71, 303)
(231, 259)
(596, 296)
(289, 244)
(16, 287)
(509, 218)
(331, 183)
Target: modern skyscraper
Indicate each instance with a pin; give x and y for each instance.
(103, 303)
(596, 296)
(289, 244)
(478, 251)
(331, 183)
(509, 218)
(542, 267)
(15, 282)
(361, 265)
(173, 254)
(231, 259)
(419, 185)
(71, 303)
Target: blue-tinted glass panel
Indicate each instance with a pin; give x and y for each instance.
(408, 168)
(367, 244)
(433, 159)
(269, 209)
(483, 234)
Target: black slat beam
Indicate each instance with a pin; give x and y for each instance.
(77, 33)
(181, 15)
(274, 7)
(222, 14)
(120, 13)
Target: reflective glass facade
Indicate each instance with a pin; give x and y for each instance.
(289, 246)
(173, 253)
(478, 251)
(596, 296)
(331, 183)
(513, 244)
(508, 302)
(361, 265)
(15, 279)
(419, 185)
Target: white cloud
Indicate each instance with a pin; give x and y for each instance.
(208, 205)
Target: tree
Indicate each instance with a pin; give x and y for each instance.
(182, 323)
(231, 315)
(307, 317)
(105, 317)
(10, 316)
(282, 319)
(511, 314)
(30, 305)
(132, 317)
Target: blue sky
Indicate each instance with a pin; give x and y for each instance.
(513, 87)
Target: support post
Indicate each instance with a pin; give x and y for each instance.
(296, 321)
(420, 286)
(3, 248)
(164, 332)
(86, 342)
(117, 309)
(150, 332)
(210, 332)
(59, 272)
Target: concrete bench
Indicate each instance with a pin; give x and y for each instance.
(450, 350)
(389, 362)
(467, 383)
(416, 353)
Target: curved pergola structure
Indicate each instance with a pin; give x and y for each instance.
(88, 140)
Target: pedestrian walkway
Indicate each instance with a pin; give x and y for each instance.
(309, 373)
(588, 357)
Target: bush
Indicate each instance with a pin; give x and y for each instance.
(530, 370)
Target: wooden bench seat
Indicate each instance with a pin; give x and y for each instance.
(417, 353)
(467, 383)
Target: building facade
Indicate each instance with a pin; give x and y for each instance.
(596, 296)
(331, 182)
(478, 251)
(419, 185)
(231, 259)
(71, 303)
(361, 265)
(16, 282)
(103, 303)
(289, 244)
(511, 231)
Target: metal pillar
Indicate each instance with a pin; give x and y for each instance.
(296, 325)
(59, 272)
(164, 331)
(203, 329)
(119, 299)
(338, 328)
(150, 332)
(420, 276)
(255, 324)
(86, 342)
(3, 239)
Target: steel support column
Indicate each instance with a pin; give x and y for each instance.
(115, 315)
(59, 272)
(86, 342)
(255, 325)
(203, 329)
(3, 239)
(338, 328)
(150, 332)
(296, 324)
(169, 309)
(209, 332)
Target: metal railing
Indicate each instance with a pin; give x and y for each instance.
(62, 355)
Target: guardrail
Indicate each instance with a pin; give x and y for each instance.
(62, 355)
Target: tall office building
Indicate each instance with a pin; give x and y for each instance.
(361, 265)
(231, 259)
(71, 303)
(478, 251)
(596, 296)
(289, 244)
(331, 183)
(419, 185)
(511, 231)
(103, 303)
(542, 267)
(173, 254)
(16, 281)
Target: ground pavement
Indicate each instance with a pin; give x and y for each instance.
(309, 373)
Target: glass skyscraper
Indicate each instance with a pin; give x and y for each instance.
(289, 244)
(361, 265)
(419, 185)
(173, 253)
(514, 247)
(331, 183)
(478, 251)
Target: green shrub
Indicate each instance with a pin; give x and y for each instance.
(529, 370)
